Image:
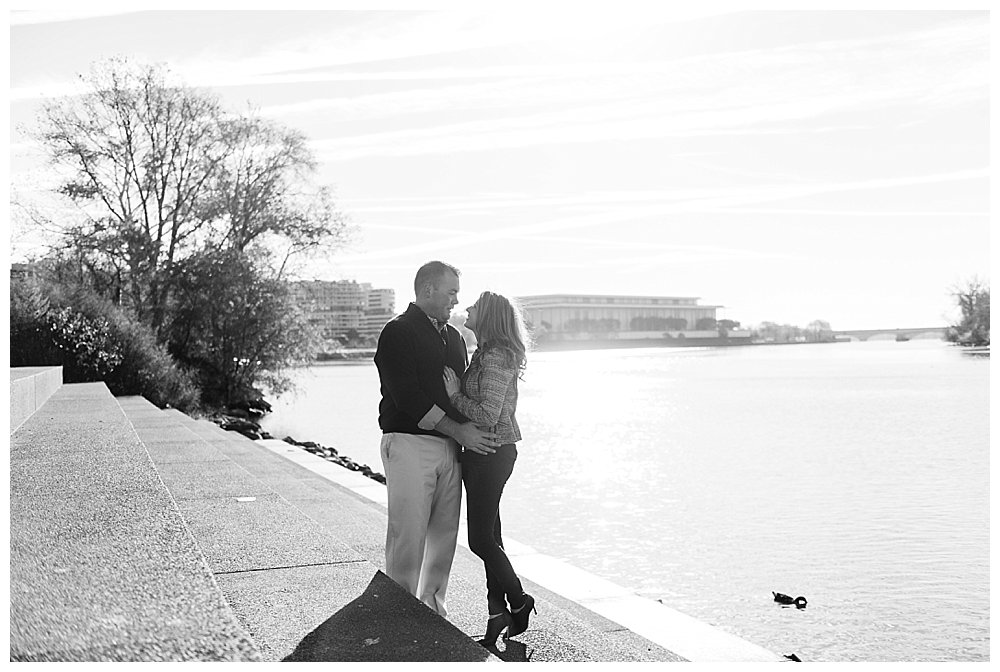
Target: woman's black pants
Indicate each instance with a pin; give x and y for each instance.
(484, 477)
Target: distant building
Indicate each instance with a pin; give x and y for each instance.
(558, 316)
(23, 271)
(337, 308)
(381, 309)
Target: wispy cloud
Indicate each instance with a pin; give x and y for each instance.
(763, 92)
(578, 126)
(30, 17)
(396, 36)
(670, 203)
(703, 199)
(326, 54)
(840, 214)
(757, 92)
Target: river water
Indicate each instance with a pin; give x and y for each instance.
(853, 474)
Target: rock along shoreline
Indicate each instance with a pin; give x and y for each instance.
(251, 429)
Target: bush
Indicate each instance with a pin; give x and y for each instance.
(93, 352)
(93, 340)
(973, 299)
(28, 309)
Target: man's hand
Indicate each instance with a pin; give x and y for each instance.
(477, 440)
(470, 436)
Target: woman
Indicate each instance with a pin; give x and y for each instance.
(487, 395)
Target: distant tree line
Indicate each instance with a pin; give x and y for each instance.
(592, 326)
(185, 218)
(643, 323)
(816, 331)
(605, 326)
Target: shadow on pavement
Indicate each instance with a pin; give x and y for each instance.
(512, 652)
(387, 624)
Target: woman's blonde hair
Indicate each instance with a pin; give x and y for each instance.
(501, 326)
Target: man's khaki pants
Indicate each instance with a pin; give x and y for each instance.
(424, 480)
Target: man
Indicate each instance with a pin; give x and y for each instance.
(422, 434)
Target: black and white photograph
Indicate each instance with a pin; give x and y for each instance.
(550, 332)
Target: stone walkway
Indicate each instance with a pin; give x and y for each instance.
(143, 534)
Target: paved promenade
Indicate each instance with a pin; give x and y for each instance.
(142, 534)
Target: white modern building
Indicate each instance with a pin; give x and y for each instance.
(569, 315)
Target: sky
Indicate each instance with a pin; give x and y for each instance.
(789, 166)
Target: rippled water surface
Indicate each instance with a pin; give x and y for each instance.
(855, 474)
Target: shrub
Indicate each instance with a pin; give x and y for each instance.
(238, 328)
(92, 349)
(93, 340)
(28, 309)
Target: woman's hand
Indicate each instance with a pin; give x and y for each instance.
(451, 381)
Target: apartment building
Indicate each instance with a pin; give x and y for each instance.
(337, 308)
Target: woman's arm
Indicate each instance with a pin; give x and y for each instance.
(493, 384)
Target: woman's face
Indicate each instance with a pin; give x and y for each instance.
(470, 321)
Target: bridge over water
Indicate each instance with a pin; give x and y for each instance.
(912, 332)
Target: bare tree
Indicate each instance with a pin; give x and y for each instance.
(263, 188)
(140, 155)
(161, 170)
(183, 205)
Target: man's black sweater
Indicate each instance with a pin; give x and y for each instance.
(411, 357)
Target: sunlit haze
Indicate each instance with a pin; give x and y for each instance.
(789, 166)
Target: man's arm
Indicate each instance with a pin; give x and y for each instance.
(470, 436)
(396, 358)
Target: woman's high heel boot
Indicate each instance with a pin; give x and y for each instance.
(519, 616)
(494, 627)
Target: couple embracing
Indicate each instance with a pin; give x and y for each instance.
(447, 421)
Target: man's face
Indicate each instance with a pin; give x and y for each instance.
(443, 297)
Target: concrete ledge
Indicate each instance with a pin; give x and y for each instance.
(30, 387)
(301, 591)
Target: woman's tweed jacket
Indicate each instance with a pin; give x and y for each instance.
(489, 394)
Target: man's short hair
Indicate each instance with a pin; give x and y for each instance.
(431, 273)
